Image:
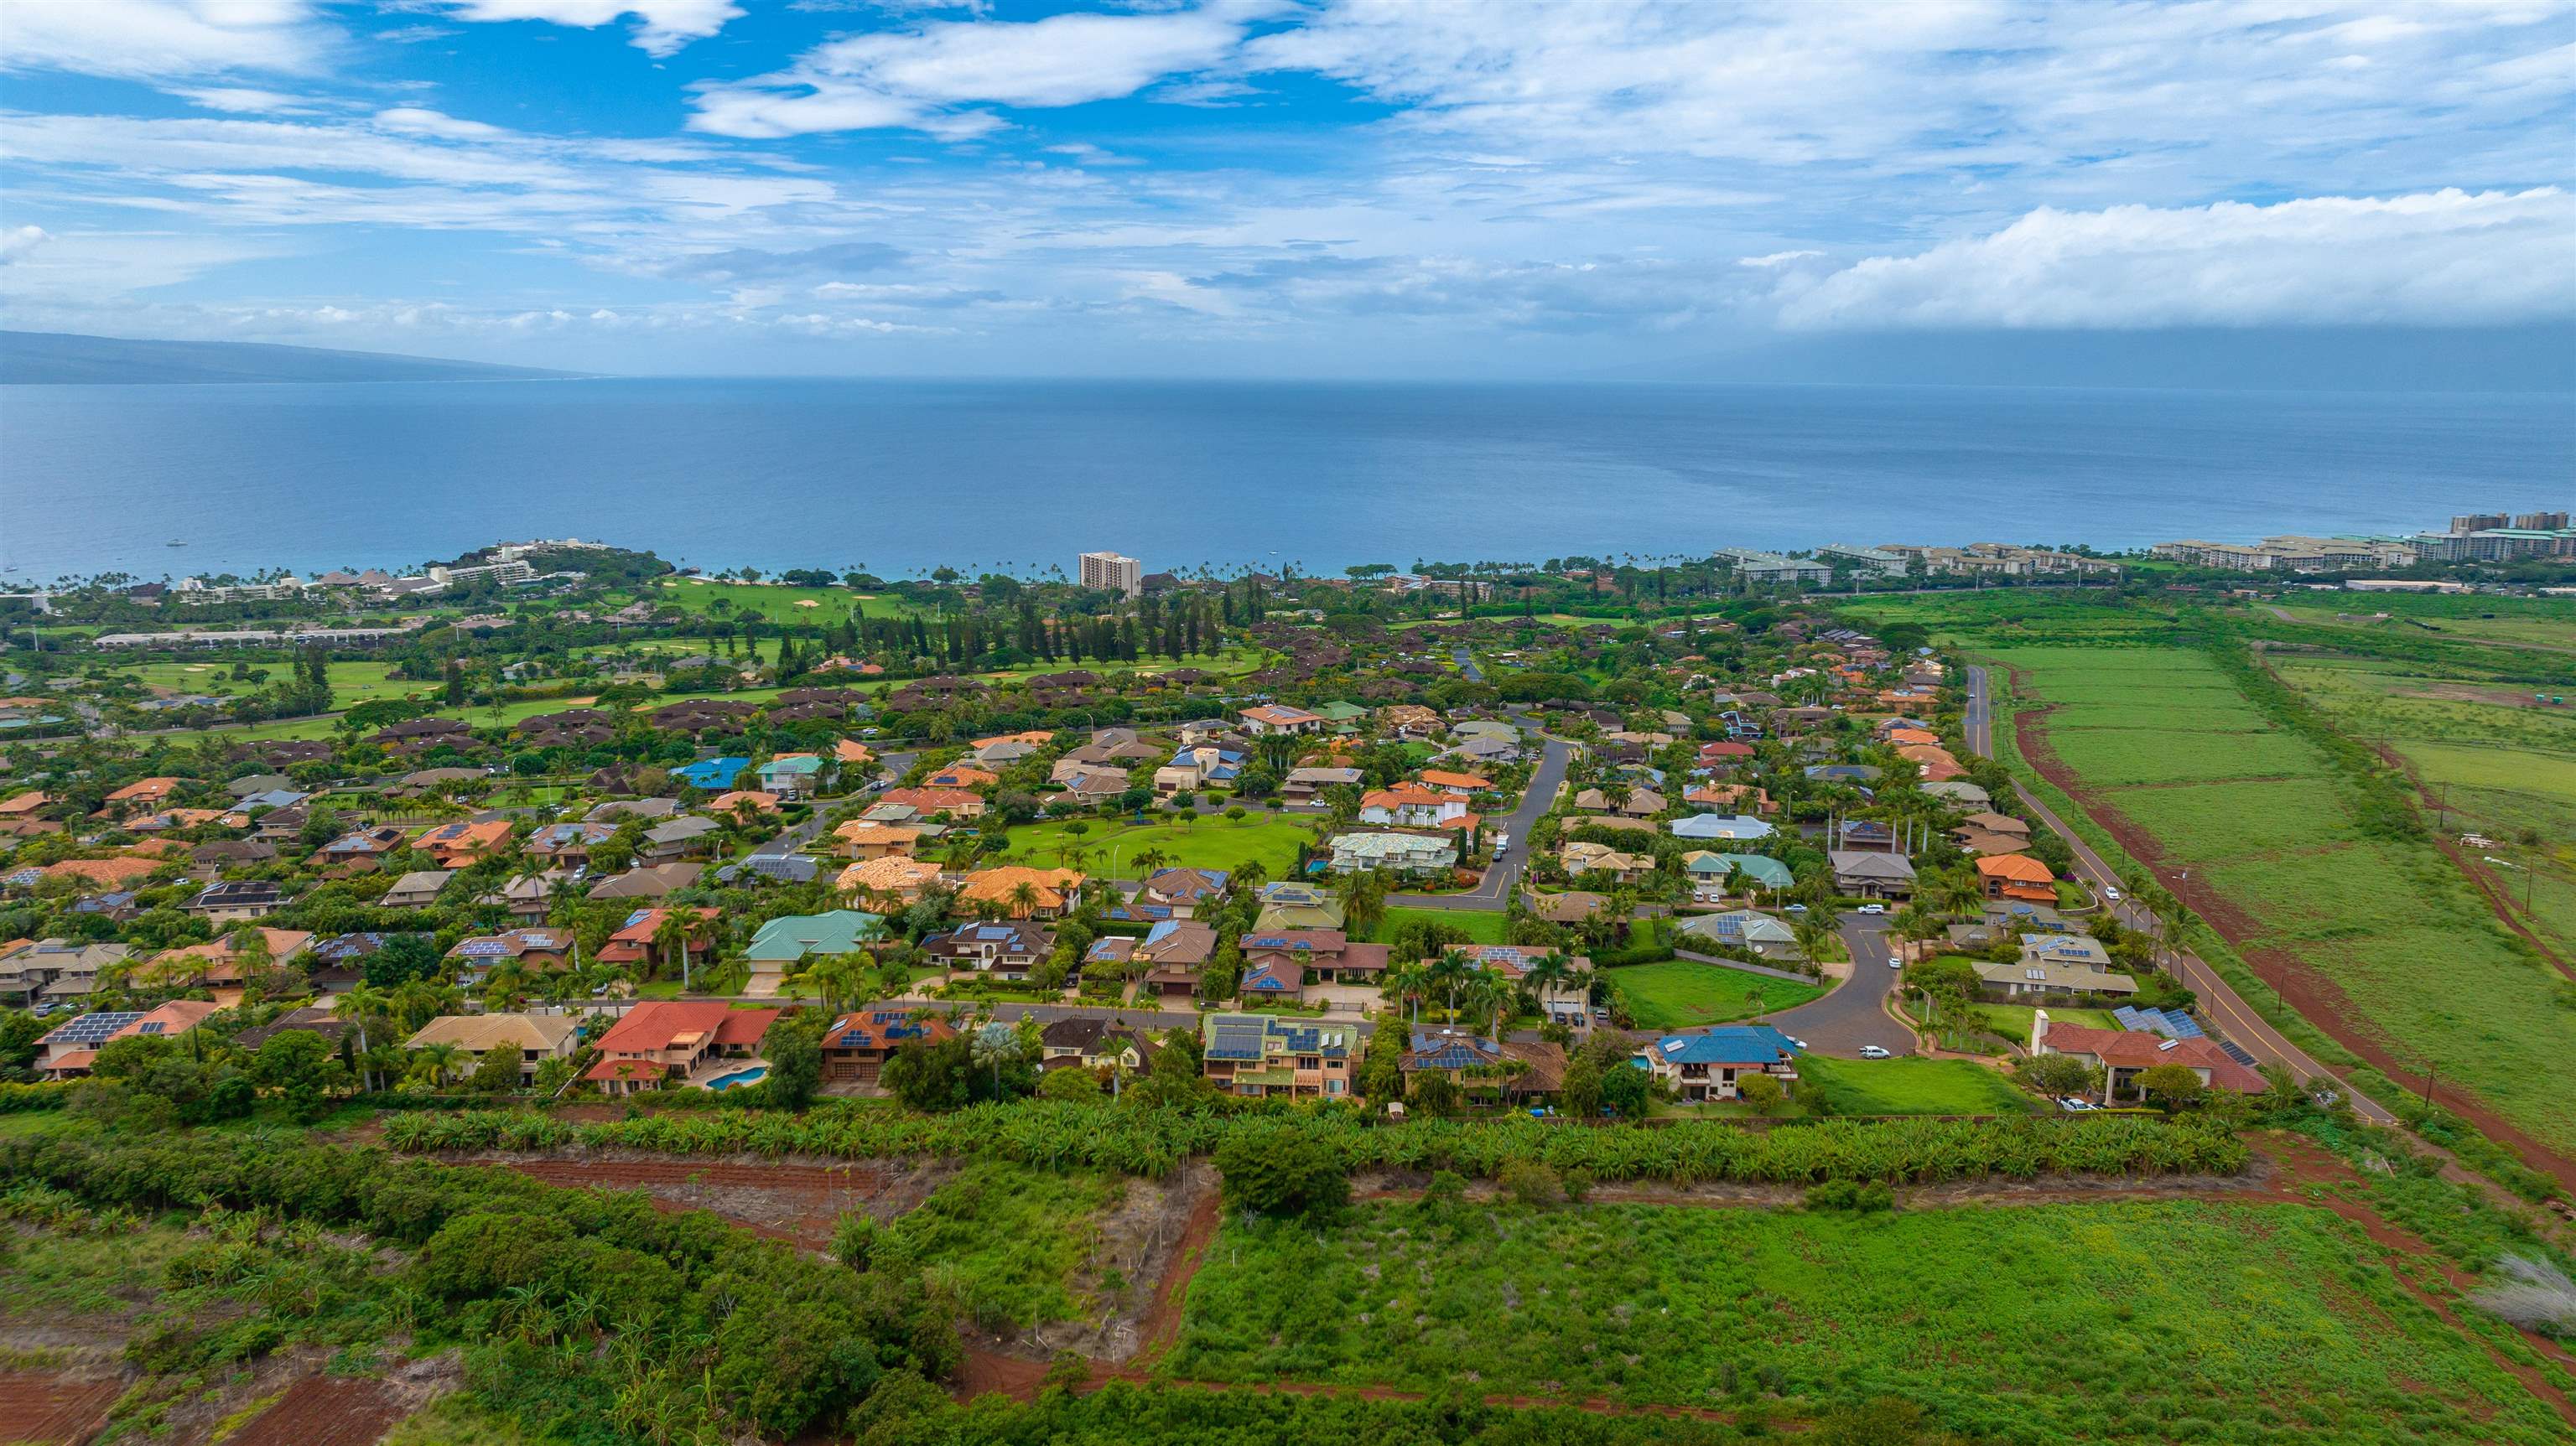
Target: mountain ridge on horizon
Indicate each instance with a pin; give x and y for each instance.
(61, 358)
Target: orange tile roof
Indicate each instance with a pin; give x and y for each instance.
(2021, 868)
(998, 884)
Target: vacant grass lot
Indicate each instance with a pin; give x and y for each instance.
(2415, 952)
(1013, 1236)
(1681, 992)
(1909, 1086)
(776, 604)
(1481, 927)
(1201, 843)
(2171, 754)
(2132, 1321)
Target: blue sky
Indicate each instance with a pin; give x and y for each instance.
(1269, 187)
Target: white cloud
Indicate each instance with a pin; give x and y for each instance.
(2445, 258)
(244, 100)
(414, 120)
(662, 26)
(138, 38)
(15, 245)
(917, 78)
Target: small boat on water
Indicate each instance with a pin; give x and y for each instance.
(174, 542)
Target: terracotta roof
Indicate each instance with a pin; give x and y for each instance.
(2020, 868)
(2142, 1050)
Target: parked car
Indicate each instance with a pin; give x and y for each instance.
(1871, 1051)
(2078, 1106)
(1797, 908)
(1895, 963)
(1873, 909)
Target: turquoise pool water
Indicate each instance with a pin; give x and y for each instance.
(738, 1077)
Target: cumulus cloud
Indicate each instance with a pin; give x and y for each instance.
(16, 244)
(662, 27)
(144, 38)
(2444, 258)
(415, 120)
(920, 78)
(245, 100)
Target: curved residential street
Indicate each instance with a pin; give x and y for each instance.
(1493, 894)
(1855, 1014)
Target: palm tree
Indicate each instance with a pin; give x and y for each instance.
(1449, 971)
(1024, 900)
(836, 977)
(362, 1004)
(438, 1059)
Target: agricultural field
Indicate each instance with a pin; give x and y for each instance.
(2493, 761)
(1679, 993)
(2079, 1326)
(2379, 937)
(1912, 1086)
(1200, 843)
(2536, 622)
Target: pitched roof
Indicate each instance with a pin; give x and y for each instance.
(656, 1025)
(476, 1033)
(2019, 868)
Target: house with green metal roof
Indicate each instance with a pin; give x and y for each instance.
(792, 938)
(791, 775)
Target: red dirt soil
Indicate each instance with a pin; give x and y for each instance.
(2316, 998)
(797, 1204)
(44, 1409)
(327, 1411)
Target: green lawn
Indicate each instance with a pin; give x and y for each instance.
(2012, 1021)
(775, 603)
(1910, 1086)
(2030, 1324)
(1679, 992)
(1199, 843)
(1482, 927)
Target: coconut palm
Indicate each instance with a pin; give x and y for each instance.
(363, 1005)
(437, 1060)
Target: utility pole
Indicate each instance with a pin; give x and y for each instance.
(2430, 1071)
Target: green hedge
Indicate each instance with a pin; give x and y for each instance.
(1153, 1141)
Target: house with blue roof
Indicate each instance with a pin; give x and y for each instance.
(1711, 1064)
(1732, 828)
(712, 775)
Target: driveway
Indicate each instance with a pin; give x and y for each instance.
(1493, 894)
(1854, 1014)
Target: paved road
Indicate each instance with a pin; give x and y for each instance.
(793, 840)
(2219, 1003)
(1467, 665)
(1494, 893)
(1855, 1014)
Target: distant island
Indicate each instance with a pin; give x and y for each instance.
(36, 358)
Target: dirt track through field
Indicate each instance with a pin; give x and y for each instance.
(46, 1409)
(328, 1411)
(2316, 998)
(2459, 856)
(798, 1204)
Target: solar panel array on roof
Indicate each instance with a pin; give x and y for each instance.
(93, 1028)
(2236, 1052)
(482, 949)
(150, 1026)
(1235, 1039)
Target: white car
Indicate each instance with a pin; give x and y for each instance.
(1871, 1051)
(2112, 894)
(1871, 909)
(2077, 1106)
(1895, 963)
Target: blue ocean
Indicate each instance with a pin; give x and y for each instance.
(899, 477)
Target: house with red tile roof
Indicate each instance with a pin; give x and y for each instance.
(933, 801)
(2122, 1055)
(665, 1041)
(859, 1043)
(2017, 876)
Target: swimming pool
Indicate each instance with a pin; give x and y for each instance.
(738, 1077)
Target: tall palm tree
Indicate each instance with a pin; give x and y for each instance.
(364, 1004)
(1024, 900)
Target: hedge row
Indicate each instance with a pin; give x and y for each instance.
(1153, 1141)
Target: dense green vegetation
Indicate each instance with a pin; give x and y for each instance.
(1152, 1141)
(1010, 1236)
(2085, 1322)
(586, 1316)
